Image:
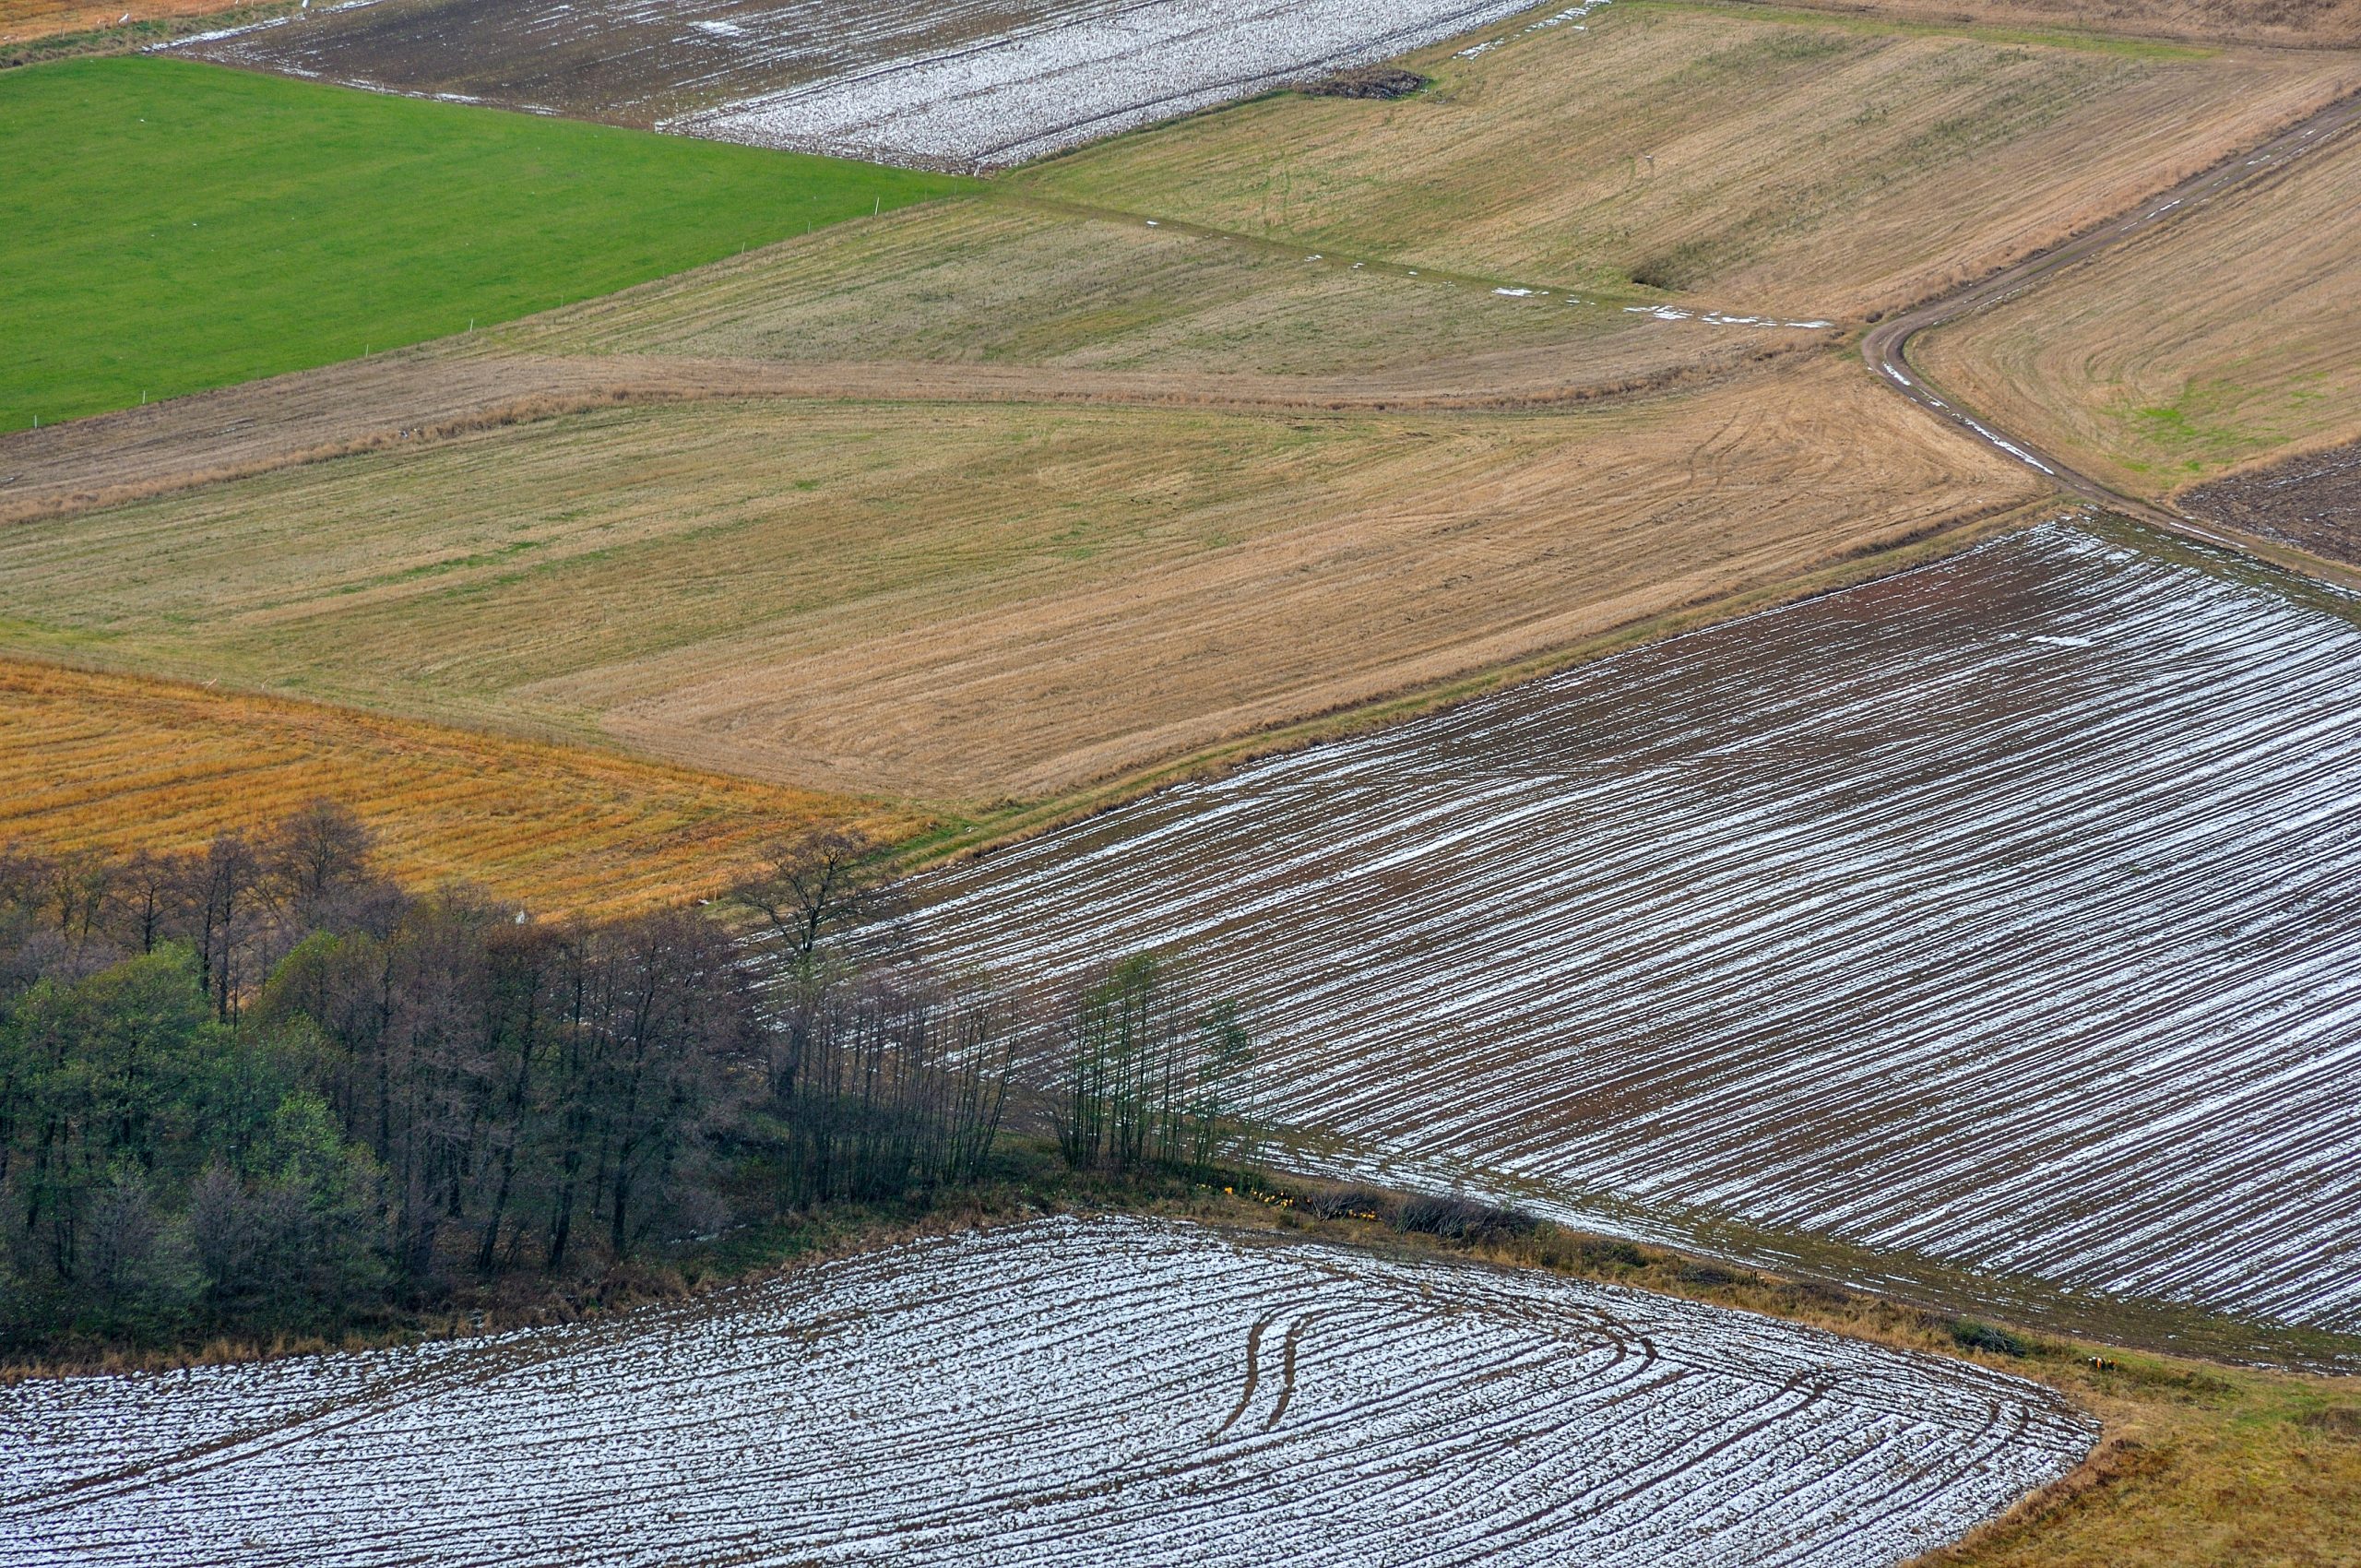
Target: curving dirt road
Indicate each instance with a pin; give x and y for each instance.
(1886, 345)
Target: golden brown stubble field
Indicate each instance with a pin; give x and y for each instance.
(1789, 163)
(122, 763)
(2225, 339)
(964, 603)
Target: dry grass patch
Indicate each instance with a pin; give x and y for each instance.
(1009, 283)
(24, 19)
(2331, 23)
(1782, 162)
(122, 763)
(974, 603)
(2225, 339)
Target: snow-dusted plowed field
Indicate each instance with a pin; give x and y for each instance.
(1107, 1391)
(940, 83)
(632, 61)
(2004, 911)
(1041, 89)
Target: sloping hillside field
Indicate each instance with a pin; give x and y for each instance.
(1999, 913)
(1105, 1391)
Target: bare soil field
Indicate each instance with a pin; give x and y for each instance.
(970, 85)
(120, 763)
(2227, 338)
(1108, 70)
(1995, 916)
(1112, 1391)
(971, 602)
(1792, 164)
(2312, 502)
(614, 60)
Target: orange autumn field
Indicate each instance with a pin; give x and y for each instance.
(120, 762)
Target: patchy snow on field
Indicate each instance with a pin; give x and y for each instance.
(2002, 913)
(1107, 1391)
(1052, 86)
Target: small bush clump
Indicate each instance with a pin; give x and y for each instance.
(1973, 1335)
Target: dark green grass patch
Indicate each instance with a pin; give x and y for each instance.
(167, 226)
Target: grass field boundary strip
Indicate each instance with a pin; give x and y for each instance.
(199, 226)
(1015, 196)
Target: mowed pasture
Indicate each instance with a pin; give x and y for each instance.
(1992, 921)
(2228, 338)
(976, 603)
(1115, 1391)
(1786, 163)
(194, 226)
(120, 764)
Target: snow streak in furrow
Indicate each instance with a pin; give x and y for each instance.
(2002, 911)
(1064, 81)
(1045, 1393)
(634, 58)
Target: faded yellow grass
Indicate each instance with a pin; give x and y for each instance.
(121, 762)
(2221, 339)
(1004, 281)
(2309, 23)
(1765, 162)
(982, 603)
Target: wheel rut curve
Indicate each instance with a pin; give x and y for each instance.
(1885, 346)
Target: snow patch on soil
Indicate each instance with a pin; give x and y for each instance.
(1063, 82)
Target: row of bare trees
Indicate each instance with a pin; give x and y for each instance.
(259, 1086)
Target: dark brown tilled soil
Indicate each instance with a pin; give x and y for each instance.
(2312, 502)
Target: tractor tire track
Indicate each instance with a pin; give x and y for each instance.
(1885, 346)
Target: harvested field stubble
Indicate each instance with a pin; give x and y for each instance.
(1803, 166)
(2334, 24)
(1997, 912)
(1224, 1396)
(2226, 338)
(967, 604)
(123, 764)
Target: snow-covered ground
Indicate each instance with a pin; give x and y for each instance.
(2003, 910)
(1053, 86)
(1107, 1391)
(962, 84)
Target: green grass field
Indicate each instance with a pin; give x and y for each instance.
(174, 226)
